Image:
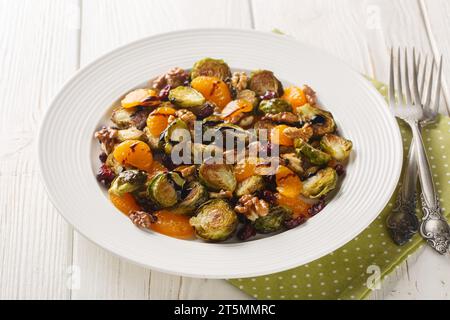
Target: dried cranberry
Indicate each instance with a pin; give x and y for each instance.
(316, 208)
(205, 111)
(269, 95)
(340, 170)
(103, 156)
(268, 196)
(246, 232)
(293, 223)
(105, 175)
(164, 93)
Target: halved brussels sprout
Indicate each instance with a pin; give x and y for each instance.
(338, 147)
(128, 181)
(293, 162)
(217, 176)
(130, 134)
(215, 221)
(186, 97)
(315, 156)
(249, 96)
(176, 132)
(320, 184)
(196, 195)
(274, 106)
(164, 189)
(122, 117)
(211, 68)
(273, 222)
(250, 186)
(322, 121)
(262, 81)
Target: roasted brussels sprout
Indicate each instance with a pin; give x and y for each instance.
(215, 221)
(315, 156)
(176, 132)
(122, 117)
(130, 134)
(217, 176)
(262, 81)
(274, 106)
(322, 121)
(211, 68)
(196, 195)
(249, 96)
(186, 97)
(114, 164)
(250, 186)
(293, 162)
(320, 184)
(128, 181)
(273, 222)
(338, 147)
(164, 189)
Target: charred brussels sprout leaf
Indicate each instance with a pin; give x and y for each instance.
(217, 176)
(186, 97)
(196, 195)
(273, 222)
(130, 134)
(322, 121)
(128, 181)
(122, 118)
(274, 106)
(164, 189)
(293, 162)
(320, 184)
(315, 156)
(250, 186)
(211, 68)
(176, 132)
(262, 81)
(339, 148)
(215, 221)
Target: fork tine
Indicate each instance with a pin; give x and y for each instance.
(424, 77)
(401, 101)
(437, 99)
(430, 86)
(417, 96)
(407, 83)
(392, 80)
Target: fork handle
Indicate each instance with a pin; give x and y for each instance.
(425, 175)
(409, 182)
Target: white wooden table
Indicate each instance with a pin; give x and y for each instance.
(43, 42)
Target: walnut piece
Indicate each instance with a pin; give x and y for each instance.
(252, 207)
(187, 116)
(282, 117)
(305, 133)
(239, 81)
(108, 138)
(142, 219)
(174, 77)
(310, 95)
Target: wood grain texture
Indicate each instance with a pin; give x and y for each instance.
(38, 50)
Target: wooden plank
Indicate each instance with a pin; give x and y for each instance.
(361, 33)
(105, 25)
(38, 50)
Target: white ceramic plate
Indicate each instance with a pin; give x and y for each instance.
(68, 153)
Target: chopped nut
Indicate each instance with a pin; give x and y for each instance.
(305, 133)
(222, 194)
(142, 219)
(252, 207)
(187, 116)
(108, 138)
(282, 117)
(239, 81)
(310, 94)
(174, 77)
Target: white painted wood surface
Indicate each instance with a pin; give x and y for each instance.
(43, 42)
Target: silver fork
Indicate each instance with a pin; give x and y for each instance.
(434, 228)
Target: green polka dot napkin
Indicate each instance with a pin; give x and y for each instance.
(351, 271)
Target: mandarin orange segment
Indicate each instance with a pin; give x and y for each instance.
(134, 153)
(156, 167)
(236, 107)
(297, 205)
(158, 120)
(213, 89)
(124, 203)
(277, 136)
(139, 97)
(288, 183)
(295, 96)
(173, 225)
(244, 169)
